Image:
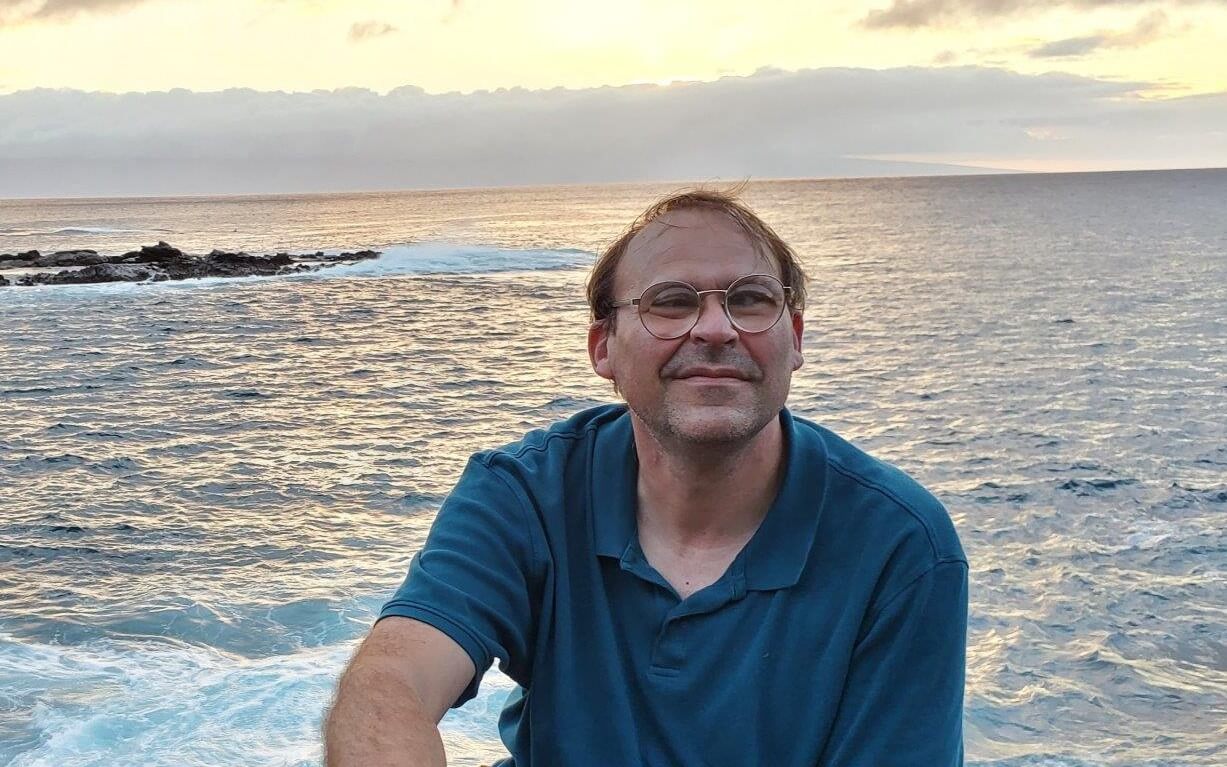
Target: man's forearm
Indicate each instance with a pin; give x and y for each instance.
(378, 721)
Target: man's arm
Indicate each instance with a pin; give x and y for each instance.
(392, 695)
(902, 703)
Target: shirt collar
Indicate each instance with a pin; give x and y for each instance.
(777, 554)
(615, 472)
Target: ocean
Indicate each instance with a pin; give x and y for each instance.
(208, 488)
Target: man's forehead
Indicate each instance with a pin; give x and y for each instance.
(689, 223)
(681, 233)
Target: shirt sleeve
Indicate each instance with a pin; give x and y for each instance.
(476, 575)
(902, 703)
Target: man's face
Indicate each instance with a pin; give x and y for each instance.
(716, 384)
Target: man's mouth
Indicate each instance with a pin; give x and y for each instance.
(713, 373)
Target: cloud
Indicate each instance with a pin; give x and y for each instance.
(1070, 46)
(16, 11)
(923, 13)
(367, 30)
(1148, 29)
(812, 123)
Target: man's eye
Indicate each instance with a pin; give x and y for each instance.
(673, 301)
(751, 298)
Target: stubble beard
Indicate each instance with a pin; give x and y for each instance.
(726, 423)
(714, 427)
(716, 419)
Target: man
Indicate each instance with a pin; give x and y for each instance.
(695, 578)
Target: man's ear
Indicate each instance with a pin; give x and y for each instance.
(598, 349)
(798, 332)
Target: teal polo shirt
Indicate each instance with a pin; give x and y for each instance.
(836, 637)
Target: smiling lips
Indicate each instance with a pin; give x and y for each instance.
(711, 373)
(723, 366)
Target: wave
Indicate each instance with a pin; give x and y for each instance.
(445, 258)
(79, 230)
(164, 703)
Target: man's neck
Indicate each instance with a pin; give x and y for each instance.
(707, 498)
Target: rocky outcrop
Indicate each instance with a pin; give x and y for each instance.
(29, 255)
(100, 273)
(166, 262)
(70, 258)
(19, 260)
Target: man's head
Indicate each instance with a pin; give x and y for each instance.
(788, 268)
(716, 383)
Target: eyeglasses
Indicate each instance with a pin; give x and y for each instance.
(669, 310)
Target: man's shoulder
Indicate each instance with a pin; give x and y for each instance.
(881, 493)
(557, 441)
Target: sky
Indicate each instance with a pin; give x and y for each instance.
(215, 96)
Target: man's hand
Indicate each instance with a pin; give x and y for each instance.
(392, 695)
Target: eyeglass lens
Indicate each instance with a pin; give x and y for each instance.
(671, 309)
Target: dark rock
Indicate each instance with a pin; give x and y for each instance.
(3, 281)
(245, 261)
(166, 262)
(96, 273)
(154, 254)
(19, 260)
(299, 268)
(360, 255)
(70, 258)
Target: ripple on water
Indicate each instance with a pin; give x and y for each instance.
(1093, 485)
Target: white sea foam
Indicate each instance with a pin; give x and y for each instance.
(116, 702)
(445, 258)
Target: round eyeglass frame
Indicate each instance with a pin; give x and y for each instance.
(638, 304)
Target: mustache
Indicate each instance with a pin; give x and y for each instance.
(707, 356)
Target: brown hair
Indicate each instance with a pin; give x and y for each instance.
(601, 279)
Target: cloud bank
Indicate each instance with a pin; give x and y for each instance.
(813, 123)
(1148, 29)
(911, 14)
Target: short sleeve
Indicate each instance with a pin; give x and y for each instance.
(476, 577)
(902, 702)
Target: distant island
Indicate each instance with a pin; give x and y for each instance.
(157, 263)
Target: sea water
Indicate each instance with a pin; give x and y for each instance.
(208, 488)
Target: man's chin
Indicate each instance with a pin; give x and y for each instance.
(712, 424)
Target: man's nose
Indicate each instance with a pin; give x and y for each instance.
(713, 325)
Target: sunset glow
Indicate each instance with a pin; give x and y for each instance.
(469, 45)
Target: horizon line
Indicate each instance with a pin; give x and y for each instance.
(970, 171)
